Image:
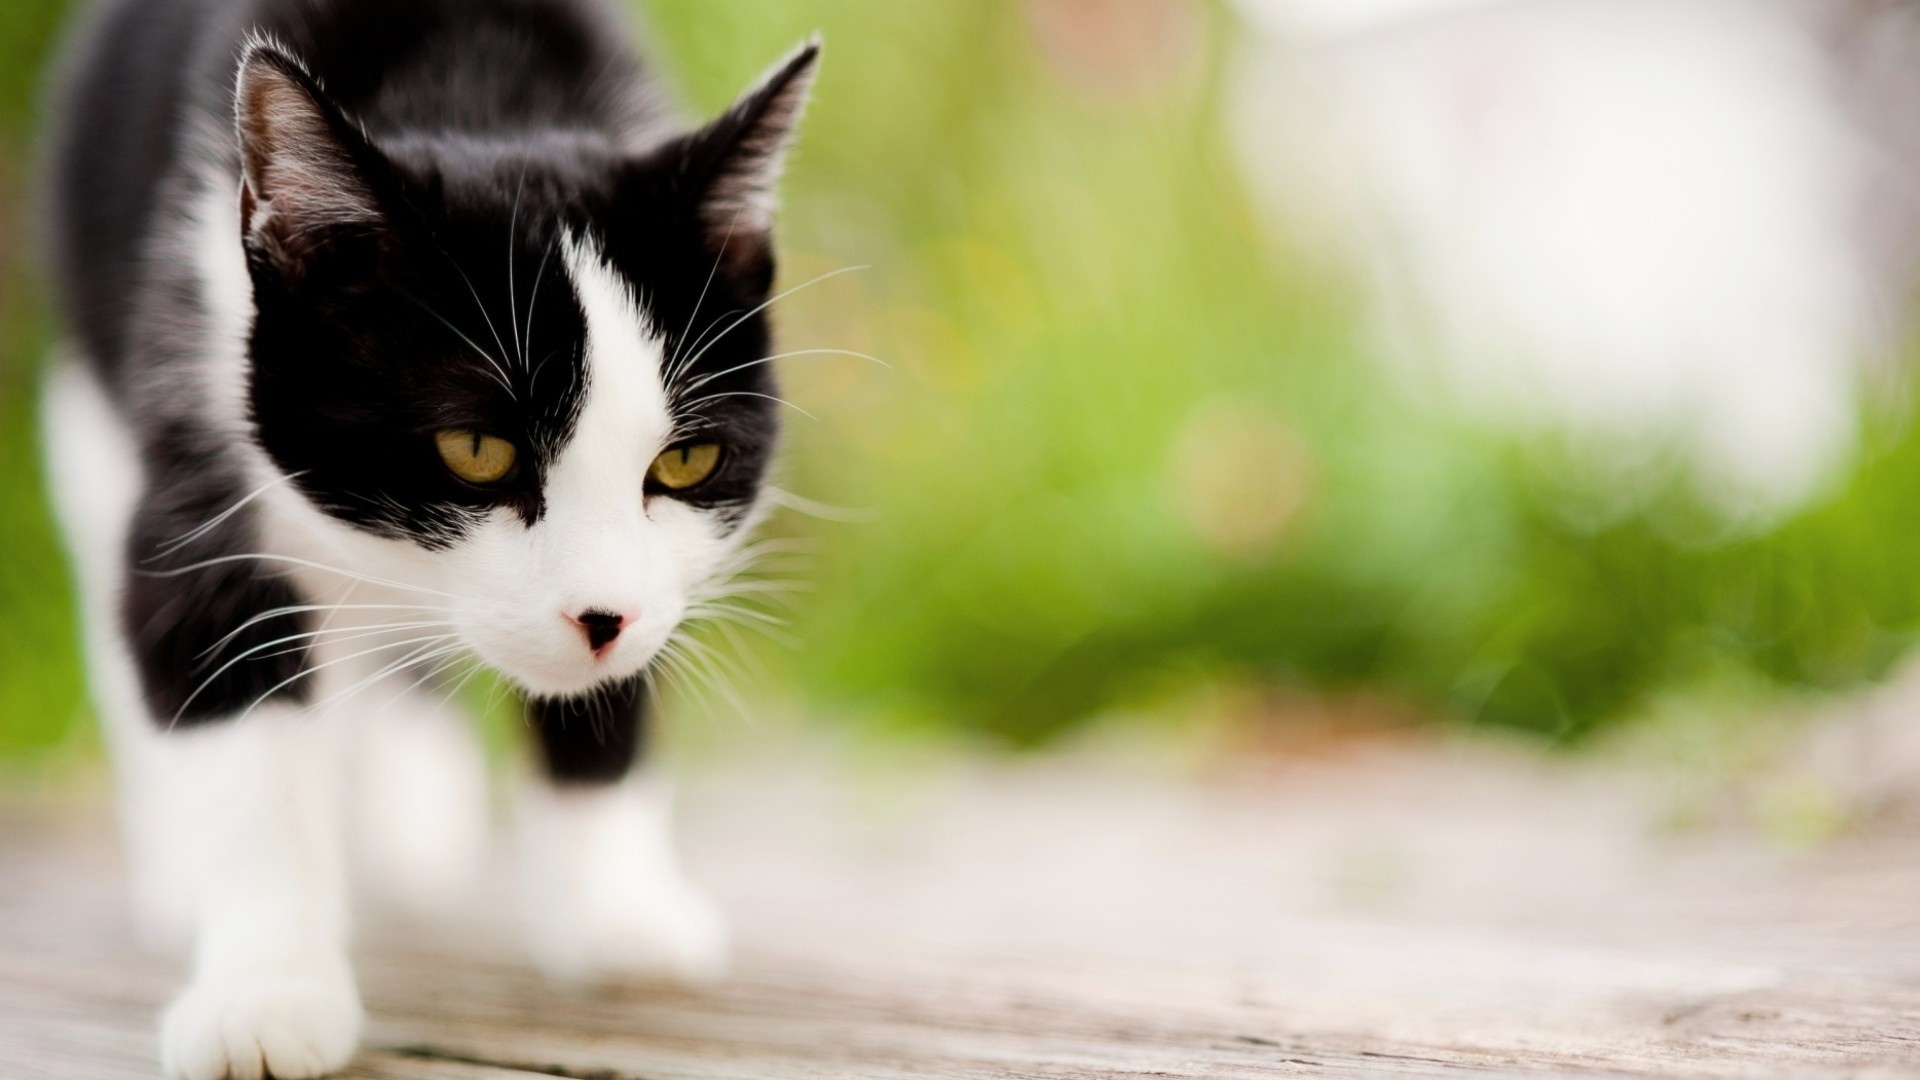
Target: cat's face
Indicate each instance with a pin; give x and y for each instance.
(527, 381)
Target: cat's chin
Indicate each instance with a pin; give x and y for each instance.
(554, 686)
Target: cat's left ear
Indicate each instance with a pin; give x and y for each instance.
(729, 170)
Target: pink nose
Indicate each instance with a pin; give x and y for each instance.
(601, 627)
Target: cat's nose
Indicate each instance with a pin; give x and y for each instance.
(601, 627)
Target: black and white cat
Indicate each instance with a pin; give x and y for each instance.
(402, 332)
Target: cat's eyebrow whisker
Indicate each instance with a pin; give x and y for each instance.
(533, 302)
(769, 302)
(687, 410)
(177, 543)
(674, 371)
(499, 373)
(685, 363)
(513, 230)
(534, 379)
(706, 379)
(478, 303)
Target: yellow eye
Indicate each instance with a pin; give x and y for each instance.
(684, 466)
(473, 457)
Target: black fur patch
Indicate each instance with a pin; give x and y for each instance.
(593, 739)
(208, 624)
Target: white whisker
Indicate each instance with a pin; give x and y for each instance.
(705, 379)
(513, 231)
(300, 609)
(322, 631)
(674, 369)
(533, 302)
(427, 653)
(746, 393)
(265, 556)
(769, 302)
(297, 676)
(483, 309)
(176, 544)
(499, 373)
(800, 504)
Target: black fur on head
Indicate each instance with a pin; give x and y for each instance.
(405, 283)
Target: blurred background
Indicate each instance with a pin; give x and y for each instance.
(1271, 365)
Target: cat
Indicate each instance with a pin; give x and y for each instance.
(400, 334)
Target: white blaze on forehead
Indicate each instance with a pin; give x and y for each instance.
(625, 419)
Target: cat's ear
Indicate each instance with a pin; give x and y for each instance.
(302, 163)
(729, 170)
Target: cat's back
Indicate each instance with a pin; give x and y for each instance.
(119, 107)
(144, 97)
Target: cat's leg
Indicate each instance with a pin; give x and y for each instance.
(419, 796)
(272, 992)
(254, 768)
(230, 810)
(605, 896)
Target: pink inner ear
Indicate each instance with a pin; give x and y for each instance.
(297, 179)
(754, 136)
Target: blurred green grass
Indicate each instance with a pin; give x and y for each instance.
(1128, 444)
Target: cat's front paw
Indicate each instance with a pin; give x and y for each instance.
(285, 1026)
(659, 931)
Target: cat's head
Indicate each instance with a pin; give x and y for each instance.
(526, 374)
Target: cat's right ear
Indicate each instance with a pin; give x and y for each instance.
(303, 165)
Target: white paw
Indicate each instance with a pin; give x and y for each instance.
(284, 1026)
(658, 931)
